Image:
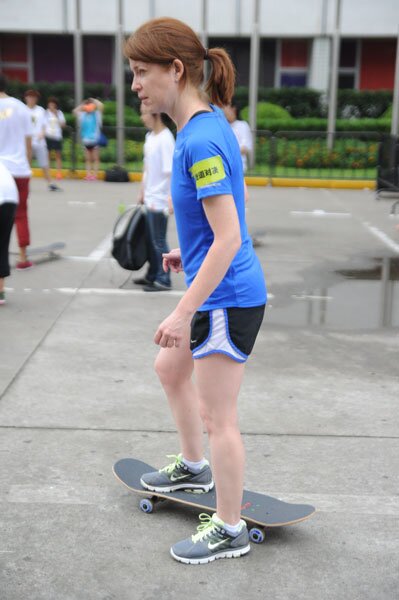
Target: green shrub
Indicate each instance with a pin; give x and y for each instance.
(363, 104)
(299, 102)
(387, 114)
(132, 118)
(292, 151)
(267, 111)
(358, 125)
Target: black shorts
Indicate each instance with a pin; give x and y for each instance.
(229, 331)
(90, 146)
(53, 144)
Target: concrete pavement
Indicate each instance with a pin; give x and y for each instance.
(318, 409)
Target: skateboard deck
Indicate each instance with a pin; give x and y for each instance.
(50, 250)
(257, 509)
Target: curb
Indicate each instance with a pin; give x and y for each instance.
(349, 184)
(342, 184)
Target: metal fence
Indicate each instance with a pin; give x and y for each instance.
(282, 154)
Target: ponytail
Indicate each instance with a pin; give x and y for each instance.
(220, 85)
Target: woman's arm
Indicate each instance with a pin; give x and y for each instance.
(100, 105)
(222, 217)
(77, 109)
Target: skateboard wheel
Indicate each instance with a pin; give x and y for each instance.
(256, 535)
(146, 505)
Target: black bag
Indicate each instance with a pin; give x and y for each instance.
(116, 174)
(129, 244)
(102, 140)
(388, 164)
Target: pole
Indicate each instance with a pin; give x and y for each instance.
(254, 77)
(395, 104)
(120, 88)
(77, 56)
(332, 102)
(204, 34)
(204, 23)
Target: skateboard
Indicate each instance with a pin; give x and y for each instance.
(49, 252)
(258, 510)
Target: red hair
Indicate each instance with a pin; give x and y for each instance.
(163, 40)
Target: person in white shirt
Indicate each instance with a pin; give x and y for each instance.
(15, 153)
(39, 147)
(8, 206)
(242, 132)
(54, 122)
(155, 194)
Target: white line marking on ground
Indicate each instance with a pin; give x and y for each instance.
(345, 503)
(80, 202)
(82, 258)
(116, 292)
(310, 297)
(83, 494)
(102, 249)
(112, 292)
(383, 237)
(319, 213)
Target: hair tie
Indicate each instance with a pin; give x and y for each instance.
(206, 55)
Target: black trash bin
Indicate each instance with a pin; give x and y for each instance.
(388, 165)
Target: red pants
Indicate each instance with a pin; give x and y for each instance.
(21, 216)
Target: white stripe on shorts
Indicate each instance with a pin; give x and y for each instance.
(218, 340)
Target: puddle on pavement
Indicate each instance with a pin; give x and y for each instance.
(358, 299)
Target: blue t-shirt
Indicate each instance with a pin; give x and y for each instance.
(90, 127)
(207, 162)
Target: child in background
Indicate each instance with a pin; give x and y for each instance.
(89, 114)
(54, 123)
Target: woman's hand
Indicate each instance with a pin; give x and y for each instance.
(172, 261)
(170, 331)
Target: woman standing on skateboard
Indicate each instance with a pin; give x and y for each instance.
(214, 326)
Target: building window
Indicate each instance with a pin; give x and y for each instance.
(348, 74)
(293, 79)
(53, 58)
(97, 59)
(292, 63)
(14, 57)
(377, 70)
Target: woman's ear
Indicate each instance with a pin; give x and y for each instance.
(178, 69)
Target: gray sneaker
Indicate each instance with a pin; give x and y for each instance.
(177, 476)
(211, 542)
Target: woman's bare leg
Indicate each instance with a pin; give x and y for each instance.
(218, 380)
(174, 367)
(58, 160)
(87, 161)
(96, 161)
